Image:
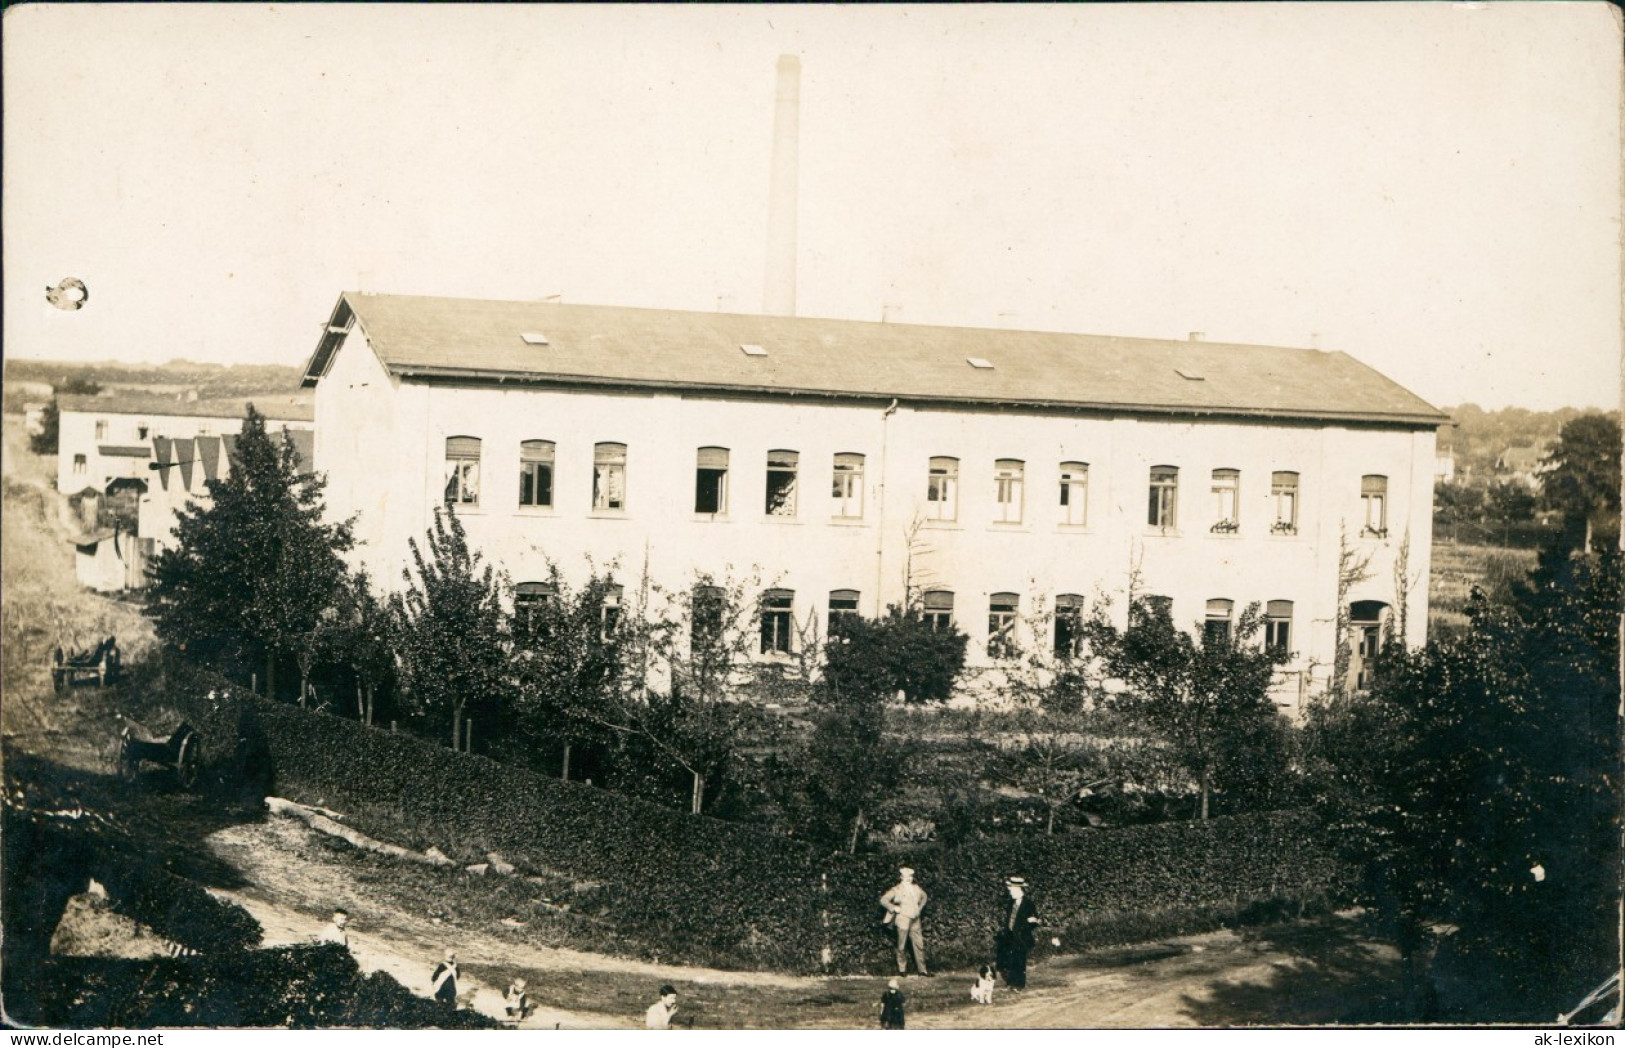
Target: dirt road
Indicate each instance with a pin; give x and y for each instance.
(1298, 974)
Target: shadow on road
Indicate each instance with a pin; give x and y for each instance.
(1326, 972)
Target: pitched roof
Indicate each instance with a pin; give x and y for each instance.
(284, 407)
(451, 339)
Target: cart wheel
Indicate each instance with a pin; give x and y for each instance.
(187, 764)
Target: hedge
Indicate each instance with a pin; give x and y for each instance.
(699, 890)
(298, 987)
(1101, 887)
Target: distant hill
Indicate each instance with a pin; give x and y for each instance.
(210, 381)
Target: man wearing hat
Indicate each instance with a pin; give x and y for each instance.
(1015, 937)
(903, 902)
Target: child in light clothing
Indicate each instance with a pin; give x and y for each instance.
(981, 990)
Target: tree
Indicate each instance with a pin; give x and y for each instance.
(452, 635)
(849, 762)
(570, 664)
(254, 568)
(361, 637)
(1471, 787)
(1052, 758)
(1206, 700)
(900, 652)
(1582, 477)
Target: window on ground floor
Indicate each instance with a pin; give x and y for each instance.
(1001, 625)
(778, 620)
(939, 609)
(1216, 626)
(1278, 626)
(1068, 625)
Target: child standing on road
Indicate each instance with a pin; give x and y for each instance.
(891, 1007)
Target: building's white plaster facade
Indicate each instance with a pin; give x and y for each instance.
(381, 440)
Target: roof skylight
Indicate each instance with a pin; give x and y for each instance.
(1191, 374)
(980, 362)
(752, 350)
(534, 338)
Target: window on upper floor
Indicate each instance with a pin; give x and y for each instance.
(782, 467)
(778, 620)
(1226, 501)
(938, 606)
(1278, 626)
(1068, 625)
(846, 493)
(711, 481)
(609, 476)
(843, 608)
(1284, 495)
(1074, 493)
(141, 431)
(1163, 507)
(1216, 627)
(942, 489)
(1374, 505)
(528, 600)
(463, 471)
(101, 429)
(79, 465)
(1001, 625)
(1009, 478)
(536, 473)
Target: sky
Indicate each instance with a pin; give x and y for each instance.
(1433, 189)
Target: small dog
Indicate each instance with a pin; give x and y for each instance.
(981, 990)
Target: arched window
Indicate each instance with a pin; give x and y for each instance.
(609, 476)
(1278, 625)
(1284, 494)
(1162, 509)
(1074, 493)
(711, 481)
(778, 620)
(846, 492)
(942, 489)
(1001, 625)
(463, 471)
(1226, 501)
(1216, 627)
(1068, 625)
(939, 609)
(536, 473)
(1009, 480)
(843, 608)
(1374, 505)
(528, 600)
(782, 469)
